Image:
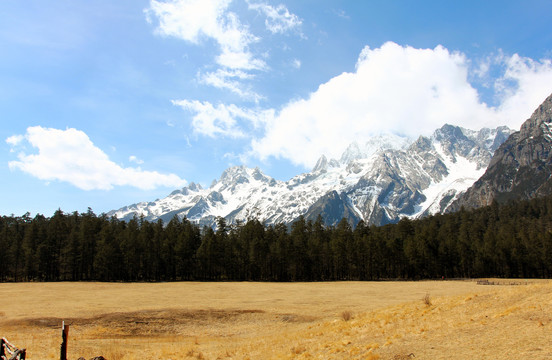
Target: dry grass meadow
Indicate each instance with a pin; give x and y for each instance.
(338, 320)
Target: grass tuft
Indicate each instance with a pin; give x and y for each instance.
(299, 349)
(346, 315)
(427, 300)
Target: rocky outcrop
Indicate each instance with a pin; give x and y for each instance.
(333, 207)
(521, 167)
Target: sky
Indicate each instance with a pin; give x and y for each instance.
(107, 103)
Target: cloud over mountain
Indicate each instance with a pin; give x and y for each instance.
(394, 89)
(398, 89)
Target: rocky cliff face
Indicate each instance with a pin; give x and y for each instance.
(380, 181)
(426, 177)
(521, 167)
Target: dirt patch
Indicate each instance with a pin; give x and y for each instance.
(293, 318)
(145, 323)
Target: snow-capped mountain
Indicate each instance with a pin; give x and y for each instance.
(380, 181)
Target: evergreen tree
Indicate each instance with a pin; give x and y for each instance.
(300, 266)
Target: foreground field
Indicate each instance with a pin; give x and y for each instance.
(364, 320)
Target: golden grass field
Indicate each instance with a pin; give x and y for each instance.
(338, 320)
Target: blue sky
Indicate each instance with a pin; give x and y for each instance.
(108, 103)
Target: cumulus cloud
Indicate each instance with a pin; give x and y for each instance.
(401, 90)
(532, 83)
(222, 120)
(394, 89)
(278, 19)
(134, 159)
(70, 156)
(15, 140)
(194, 20)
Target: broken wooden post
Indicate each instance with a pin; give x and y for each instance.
(10, 352)
(19, 354)
(64, 339)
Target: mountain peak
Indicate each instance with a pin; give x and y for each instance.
(233, 172)
(379, 180)
(447, 132)
(521, 168)
(540, 122)
(194, 187)
(321, 164)
(351, 153)
(373, 145)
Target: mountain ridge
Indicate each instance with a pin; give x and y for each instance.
(386, 178)
(521, 167)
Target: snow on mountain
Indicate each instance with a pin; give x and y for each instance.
(373, 145)
(380, 181)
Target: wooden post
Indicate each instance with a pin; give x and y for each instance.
(19, 354)
(65, 339)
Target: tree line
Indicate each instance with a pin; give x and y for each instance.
(512, 240)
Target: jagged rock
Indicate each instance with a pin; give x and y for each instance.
(379, 181)
(332, 207)
(321, 164)
(521, 167)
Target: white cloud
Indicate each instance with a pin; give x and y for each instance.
(401, 90)
(296, 63)
(230, 80)
(193, 20)
(481, 71)
(394, 89)
(532, 83)
(278, 19)
(210, 120)
(134, 159)
(222, 120)
(196, 21)
(240, 60)
(69, 156)
(15, 140)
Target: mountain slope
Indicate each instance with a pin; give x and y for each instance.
(521, 167)
(380, 181)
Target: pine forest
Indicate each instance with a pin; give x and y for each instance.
(513, 240)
